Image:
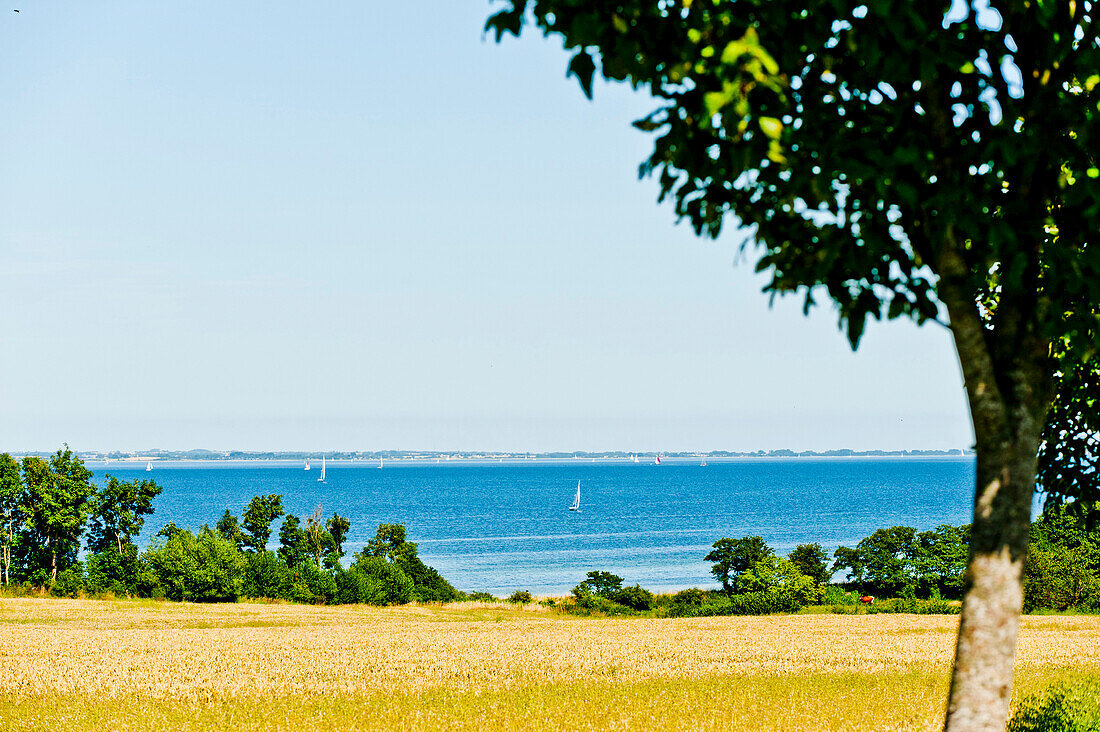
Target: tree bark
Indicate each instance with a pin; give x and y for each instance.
(981, 682)
(1008, 397)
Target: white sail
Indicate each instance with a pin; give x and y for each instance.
(307, 463)
(657, 460)
(322, 478)
(148, 467)
(379, 463)
(577, 499)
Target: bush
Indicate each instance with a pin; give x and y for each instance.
(915, 607)
(838, 596)
(480, 597)
(385, 583)
(312, 584)
(588, 604)
(1062, 708)
(747, 603)
(70, 582)
(520, 596)
(635, 598)
(206, 568)
(267, 576)
(110, 571)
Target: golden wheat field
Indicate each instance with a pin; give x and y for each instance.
(154, 665)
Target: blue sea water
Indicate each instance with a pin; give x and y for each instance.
(502, 527)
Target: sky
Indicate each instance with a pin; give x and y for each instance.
(362, 226)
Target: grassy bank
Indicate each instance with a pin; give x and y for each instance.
(150, 666)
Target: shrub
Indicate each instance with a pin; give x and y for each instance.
(206, 568)
(844, 609)
(747, 603)
(635, 598)
(480, 597)
(588, 604)
(352, 588)
(1061, 708)
(312, 584)
(70, 582)
(385, 584)
(110, 571)
(267, 576)
(914, 606)
(520, 596)
(838, 596)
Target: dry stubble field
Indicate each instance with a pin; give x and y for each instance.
(122, 665)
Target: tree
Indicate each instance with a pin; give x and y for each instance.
(882, 563)
(230, 528)
(55, 506)
(338, 528)
(118, 512)
(812, 561)
(1068, 470)
(320, 541)
(941, 559)
(975, 207)
(389, 539)
(203, 568)
(256, 520)
(604, 584)
(782, 579)
(731, 557)
(428, 585)
(1063, 564)
(117, 516)
(293, 541)
(11, 492)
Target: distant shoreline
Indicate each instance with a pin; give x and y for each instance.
(399, 456)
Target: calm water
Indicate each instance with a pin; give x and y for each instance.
(502, 527)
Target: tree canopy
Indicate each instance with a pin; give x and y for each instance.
(933, 161)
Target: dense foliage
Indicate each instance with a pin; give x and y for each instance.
(48, 506)
(904, 570)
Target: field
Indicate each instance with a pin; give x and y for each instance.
(137, 665)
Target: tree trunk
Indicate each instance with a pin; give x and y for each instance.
(53, 566)
(981, 682)
(1009, 392)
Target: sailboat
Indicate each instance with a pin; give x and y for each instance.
(148, 467)
(379, 463)
(577, 499)
(703, 464)
(657, 460)
(322, 478)
(634, 458)
(307, 463)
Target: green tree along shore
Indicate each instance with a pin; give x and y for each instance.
(47, 507)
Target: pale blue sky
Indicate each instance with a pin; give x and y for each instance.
(348, 225)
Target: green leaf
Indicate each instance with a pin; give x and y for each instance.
(583, 67)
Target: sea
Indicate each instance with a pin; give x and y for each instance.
(498, 527)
